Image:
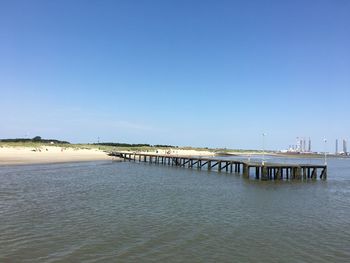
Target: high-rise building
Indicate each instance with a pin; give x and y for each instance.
(309, 148)
(336, 146)
(345, 150)
(298, 145)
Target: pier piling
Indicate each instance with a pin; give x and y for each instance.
(265, 171)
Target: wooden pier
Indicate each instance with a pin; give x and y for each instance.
(266, 171)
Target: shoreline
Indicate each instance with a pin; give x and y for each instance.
(53, 162)
(49, 155)
(284, 155)
(54, 154)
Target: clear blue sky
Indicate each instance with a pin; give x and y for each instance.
(199, 73)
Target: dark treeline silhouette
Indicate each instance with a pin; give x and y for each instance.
(35, 139)
(164, 146)
(115, 144)
(131, 145)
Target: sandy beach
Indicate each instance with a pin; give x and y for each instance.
(181, 152)
(48, 154)
(55, 154)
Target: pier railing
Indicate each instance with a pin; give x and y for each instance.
(266, 171)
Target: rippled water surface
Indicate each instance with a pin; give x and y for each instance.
(136, 212)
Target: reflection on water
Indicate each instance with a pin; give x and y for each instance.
(98, 212)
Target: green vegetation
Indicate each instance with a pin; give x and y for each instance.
(37, 142)
(108, 147)
(36, 139)
(111, 147)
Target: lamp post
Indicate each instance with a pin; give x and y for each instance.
(263, 142)
(325, 151)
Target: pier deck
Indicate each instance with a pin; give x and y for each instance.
(266, 171)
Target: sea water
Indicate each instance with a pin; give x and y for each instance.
(140, 212)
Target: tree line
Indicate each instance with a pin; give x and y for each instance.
(35, 139)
